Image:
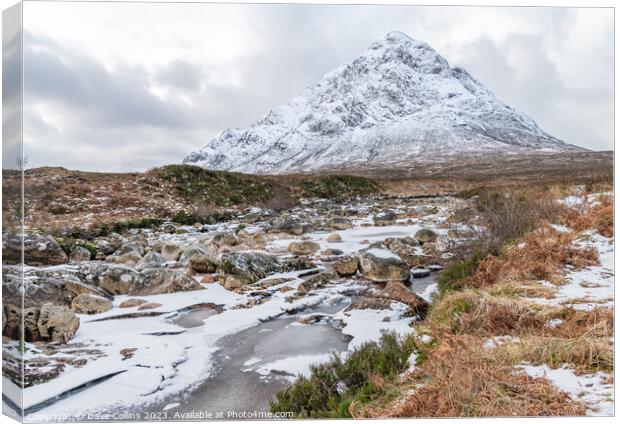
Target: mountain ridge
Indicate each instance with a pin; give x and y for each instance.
(399, 100)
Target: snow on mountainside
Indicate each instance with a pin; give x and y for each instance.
(398, 101)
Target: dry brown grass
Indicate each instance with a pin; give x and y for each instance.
(543, 253)
(584, 353)
(461, 380)
(476, 312)
(599, 217)
(462, 375)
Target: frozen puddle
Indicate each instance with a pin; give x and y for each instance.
(253, 365)
(194, 318)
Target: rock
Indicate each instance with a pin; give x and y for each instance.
(132, 247)
(89, 304)
(130, 259)
(128, 352)
(429, 248)
(435, 267)
(161, 280)
(39, 250)
(57, 285)
(406, 248)
(118, 279)
(12, 322)
(3, 319)
(57, 323)
(209, 279)
(332, 252)
(168, 227)
(31, 320)
(317, 281)
(303, 248)
(149, 305)
(193, 250)
(384, 218)
(425, 235)
(105, 247)
(382, 265)
(396, 290)
(339, 223)
(236, 281)
(289, 225)
(132, 302)
(346, 267)
(334, 237)
(116, 240)
(79, 254)
(170, 252)
(420, 272)
(363, 302)
(223, 239)
(150, 260)
(204, 264)
(249, 266)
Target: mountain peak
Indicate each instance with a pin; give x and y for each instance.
(397, 101)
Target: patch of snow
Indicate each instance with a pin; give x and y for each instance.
(592, 389)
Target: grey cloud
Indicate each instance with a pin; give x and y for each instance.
(182, 75)
(534, 86)
(102, 97)
(113, 114)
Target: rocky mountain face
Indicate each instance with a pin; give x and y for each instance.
(399, 101)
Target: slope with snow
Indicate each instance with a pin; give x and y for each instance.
(398, 101)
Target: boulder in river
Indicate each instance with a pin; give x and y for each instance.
(347, 266)
(162, 280)
(381, 265)
(38, 249)
(289, 225)
(170, 252)
(333, 238)
(79, 254)
(129, 259)
(12, 321)
(420, 272)
(118, 279)
(57, 323)
(31, 320)
(396, 290)
(204, 264)
(131, 302)
(150, 260)
(132, 246)
(190, 252)
(89, 304)
(247, 267)
(425, 235)
(303, 248)
(384, 218)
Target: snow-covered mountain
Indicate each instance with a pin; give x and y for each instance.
(398, 101)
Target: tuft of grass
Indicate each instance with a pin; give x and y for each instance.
(453, 276)
(334, 387)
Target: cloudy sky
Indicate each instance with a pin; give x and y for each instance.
(112, 86)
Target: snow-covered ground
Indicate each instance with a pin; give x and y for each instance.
(167, 358)
(596, 390)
